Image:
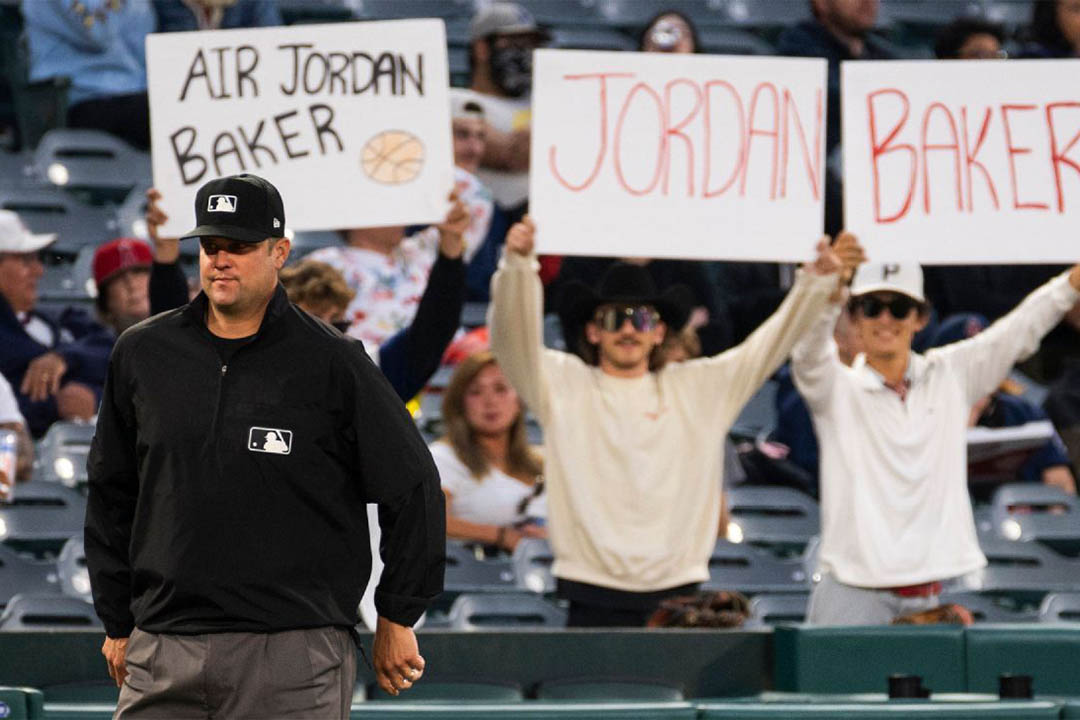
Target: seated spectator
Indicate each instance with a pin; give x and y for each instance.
(970, 39)
(318, 289)
(1055, 29)
(491, 477)
(12, 420)
(32, 342)
(839, 31)
(180, 15)
(470, 140)
(100, 46)
(896, 513)
(670, 31)
(502, 38)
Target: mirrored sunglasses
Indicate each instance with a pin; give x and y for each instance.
(641, 317)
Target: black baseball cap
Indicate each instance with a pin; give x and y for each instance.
(239, 207)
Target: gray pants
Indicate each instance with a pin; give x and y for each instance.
(291, 674)
(834, 603)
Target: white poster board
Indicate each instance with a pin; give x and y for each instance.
(677, 156)
(350, 121)
(950, 162)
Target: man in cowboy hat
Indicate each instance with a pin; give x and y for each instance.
(633, 452)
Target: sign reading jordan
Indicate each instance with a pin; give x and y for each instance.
(350, 121)
(678, 156)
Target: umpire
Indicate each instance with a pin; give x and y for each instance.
(237, 444)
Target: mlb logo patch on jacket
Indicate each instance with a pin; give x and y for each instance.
(270, 440)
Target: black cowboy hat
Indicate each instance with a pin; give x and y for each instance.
(627, 284)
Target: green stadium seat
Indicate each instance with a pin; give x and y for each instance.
(21, 703)
(83, 692)
(525, 711)
(1071, 710)
(462, 691)
(860, 659)
(609, 689)
(892, 710)
(1046, 651)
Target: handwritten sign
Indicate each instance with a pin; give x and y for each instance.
(963, 161)
(350, 121)
(678, 156)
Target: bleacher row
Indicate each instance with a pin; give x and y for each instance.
(1029, 532)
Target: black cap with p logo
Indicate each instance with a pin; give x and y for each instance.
(239, 207)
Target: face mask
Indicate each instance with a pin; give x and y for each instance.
(511, 70)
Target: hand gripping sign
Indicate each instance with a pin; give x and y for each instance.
(350, 121)
(683, 156)
(963, 161)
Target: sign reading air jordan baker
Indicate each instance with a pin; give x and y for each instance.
(350, 121)
(965, 161)
(679, 156)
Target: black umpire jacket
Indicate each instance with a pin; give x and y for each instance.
(231, 497)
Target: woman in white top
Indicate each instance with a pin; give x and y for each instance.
(489, 473)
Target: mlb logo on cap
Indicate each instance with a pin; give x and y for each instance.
(222, 203)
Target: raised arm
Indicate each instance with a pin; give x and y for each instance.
(987, 358)
(515, 317)
(739, 372)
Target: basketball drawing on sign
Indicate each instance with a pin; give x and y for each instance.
(393, 157)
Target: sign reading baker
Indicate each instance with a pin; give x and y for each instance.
(679, 156)
(350, 121)
(963, 161)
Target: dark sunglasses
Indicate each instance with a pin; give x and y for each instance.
(642, 317)
(899, 307)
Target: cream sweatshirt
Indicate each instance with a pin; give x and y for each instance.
(895, 508)
(632, 465)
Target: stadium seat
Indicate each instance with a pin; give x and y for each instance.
(41, 518)
(66, 279)
(758, 414)
(928, 13)
(585, 38)
(103, 691)
(49, 612)
(765, 15)
(1047, 652)
(605, 688)
(61, 453)
(458, 691)
(634, 14)
(860, 659)
(767, 610)
(1060, 607)
(861, 708)
(1023, 571)
(92, 163)
(531, 711)
(1047, 515)
(47, 209)
(466, 573)
(730, 41)
(532, 561)
(305, 241)
(21, 703)
(15, 168)
(778, 518)
(393, 9)
(986, 608)
(19, 575)
(302, 12)
(753, 571)
(1013, 14)
(71, 570)
(478, 611)
(563, 12)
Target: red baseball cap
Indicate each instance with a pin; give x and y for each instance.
(120, 254)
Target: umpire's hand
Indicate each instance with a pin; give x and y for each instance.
(398, 663)
(115, 652)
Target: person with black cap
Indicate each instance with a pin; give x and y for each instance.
(238, 442)
(633, 451)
